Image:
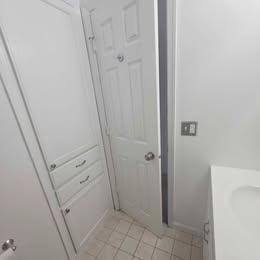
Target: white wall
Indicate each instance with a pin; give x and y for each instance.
(218, 85)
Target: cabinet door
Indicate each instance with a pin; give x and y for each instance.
(208, 233)
(83, 213)
(46, 43)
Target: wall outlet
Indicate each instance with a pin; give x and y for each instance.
(189, 128)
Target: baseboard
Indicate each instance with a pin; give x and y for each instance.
(181, 227)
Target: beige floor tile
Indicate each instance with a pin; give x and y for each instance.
(196, 253)
(104, 234)
(111, 222)
(197, 241)
(123, 216)
(149, 238)
(121, 255)
(123, 226)
(135, 232)
(116, 239)
(144, 251)
(95, 247)
(181, 250)
(160, 255)
(85, 256)
(135, 222)
(129, 245)
(170, 232)
(107, 253)
(165, 244)
(183, 236)
(175, 258)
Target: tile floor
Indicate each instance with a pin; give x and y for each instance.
(122, 238)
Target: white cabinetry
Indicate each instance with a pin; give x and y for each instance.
(46, 44)
(208, 233)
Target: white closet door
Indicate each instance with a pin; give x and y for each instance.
(46, 43)
(126, 43)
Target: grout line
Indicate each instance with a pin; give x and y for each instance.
(140, 239)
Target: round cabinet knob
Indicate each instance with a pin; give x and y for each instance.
(120, 57)
(149, 156)
(67, 211)
(53, 166)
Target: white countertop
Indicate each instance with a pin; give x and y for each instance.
(236, 213)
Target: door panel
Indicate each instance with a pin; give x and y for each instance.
(25, 215)
(49, 68)
(126, 46)
(79, 220)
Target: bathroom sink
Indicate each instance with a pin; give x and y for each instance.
(236, 213)
(245, 203)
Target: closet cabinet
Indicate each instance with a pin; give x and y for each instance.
(47, 49)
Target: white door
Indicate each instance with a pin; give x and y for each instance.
(25, 215)
(48, 50)
(126, 46)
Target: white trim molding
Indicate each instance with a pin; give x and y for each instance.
(171, 47)
(179, 226)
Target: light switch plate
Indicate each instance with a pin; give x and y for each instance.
(189, 128)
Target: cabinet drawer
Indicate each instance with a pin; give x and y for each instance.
(67, 171)
(79, 182)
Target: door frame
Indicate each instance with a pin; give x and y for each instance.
(90, 43)
(171, 103)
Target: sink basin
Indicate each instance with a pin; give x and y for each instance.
(236, 213)
(245, 203)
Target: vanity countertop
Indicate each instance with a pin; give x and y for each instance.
(236, 213)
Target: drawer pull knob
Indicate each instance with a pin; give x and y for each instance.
(53, 166)
(81, 164)
(83, 181)
(67, 210)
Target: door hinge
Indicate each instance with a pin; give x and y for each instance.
(92, 39)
